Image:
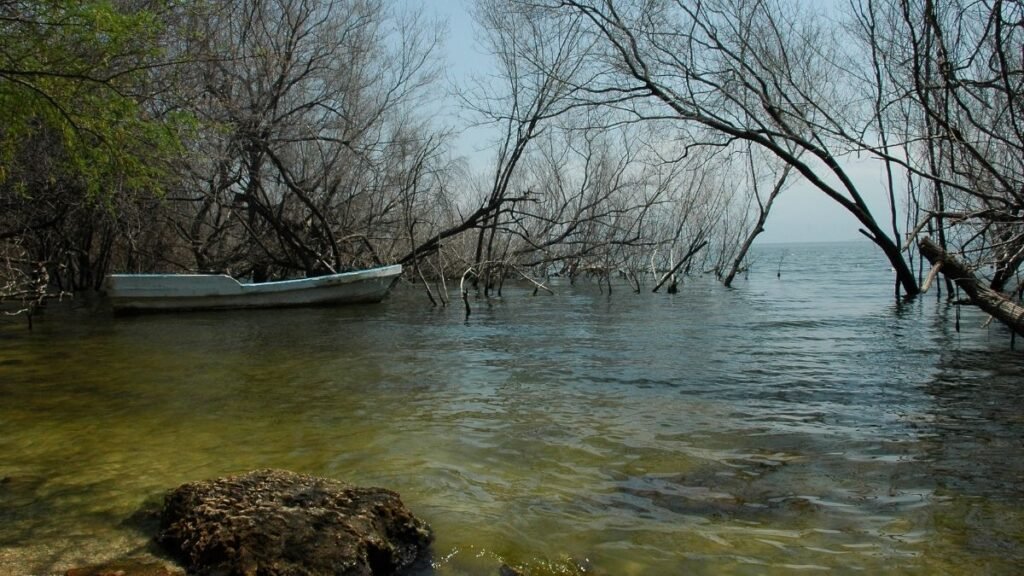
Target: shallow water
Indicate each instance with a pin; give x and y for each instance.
(797, 424)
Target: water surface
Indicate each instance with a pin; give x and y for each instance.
(805, 423)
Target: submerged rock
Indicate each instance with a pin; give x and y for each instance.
(272, 522)
(506, 570)
(126, 568)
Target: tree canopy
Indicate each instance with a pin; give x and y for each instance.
(73, 80)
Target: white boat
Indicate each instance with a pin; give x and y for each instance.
(141, 292)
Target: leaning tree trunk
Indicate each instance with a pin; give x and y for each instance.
(995, 303)
(694, 248)
(762, 217)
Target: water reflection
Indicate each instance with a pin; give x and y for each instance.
(797, 423)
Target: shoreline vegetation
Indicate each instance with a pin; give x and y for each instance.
(286, 139)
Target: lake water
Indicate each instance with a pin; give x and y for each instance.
(805, 423)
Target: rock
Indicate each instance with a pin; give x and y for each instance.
(126, 568)
(273, 522)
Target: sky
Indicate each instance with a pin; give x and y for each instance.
(800, 214)
(804, 214)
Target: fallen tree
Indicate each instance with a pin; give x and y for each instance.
(996, 303)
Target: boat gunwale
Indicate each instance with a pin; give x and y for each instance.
(394, 269)
(237, 293)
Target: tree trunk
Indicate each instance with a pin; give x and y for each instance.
(762, 217)
(995, 303)
(694, 248)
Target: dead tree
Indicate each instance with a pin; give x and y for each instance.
(308, 115)
(997, 304)
(763, 210)
(736, 70)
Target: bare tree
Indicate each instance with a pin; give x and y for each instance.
(727, 70)
(950, 76)
(524, 43)
(779, 177)
(311, 115)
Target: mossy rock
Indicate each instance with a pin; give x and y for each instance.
(273, 522)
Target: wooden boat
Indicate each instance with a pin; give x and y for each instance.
(145, 292)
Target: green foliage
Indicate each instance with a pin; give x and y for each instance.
(73, 76)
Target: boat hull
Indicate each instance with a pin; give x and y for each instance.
(169, 292)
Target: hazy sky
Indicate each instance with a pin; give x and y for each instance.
(801, 213)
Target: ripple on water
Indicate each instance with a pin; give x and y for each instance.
(794, 424)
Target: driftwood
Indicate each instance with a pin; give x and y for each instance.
(464, 291)
(996, 303)
(471, 271)
(931, 277)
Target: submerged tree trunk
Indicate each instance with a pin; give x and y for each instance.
(995, 303)
(694, 248)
